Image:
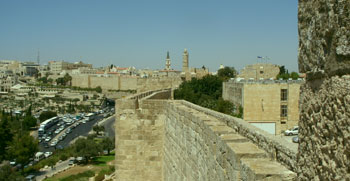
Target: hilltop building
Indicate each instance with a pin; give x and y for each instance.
(272, 105)
(259, 71)
(56, 67)
(7, 80)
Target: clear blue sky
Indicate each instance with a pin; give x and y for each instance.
(139, 32)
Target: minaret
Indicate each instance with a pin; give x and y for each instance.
(185, 61)
(167, 62)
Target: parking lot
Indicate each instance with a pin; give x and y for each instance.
(61, 134)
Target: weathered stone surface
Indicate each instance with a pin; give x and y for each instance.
(324, 54)
(324, 37)
(324, 150)
(264, 169)
(233, 138)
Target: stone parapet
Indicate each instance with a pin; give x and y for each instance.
(199, 146)
(276, 147)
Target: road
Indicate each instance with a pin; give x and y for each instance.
(109, 127)
(81, 130)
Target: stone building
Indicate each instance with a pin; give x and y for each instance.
(7, 81)
(259, 71)
(272, 105)
(56, 67)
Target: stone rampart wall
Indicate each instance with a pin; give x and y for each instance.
(177, 140)
(125, 83)
(139, 140)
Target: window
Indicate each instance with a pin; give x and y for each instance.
(261, 72)
(284, 94)
(284, 111)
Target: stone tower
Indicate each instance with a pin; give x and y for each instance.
(167, 62)
(185, 61)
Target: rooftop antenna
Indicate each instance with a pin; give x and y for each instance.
(38, 57)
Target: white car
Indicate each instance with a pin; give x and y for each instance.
(293, 131)
(54, 143)
(47, 154)
(47, 139)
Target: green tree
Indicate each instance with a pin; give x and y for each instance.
(98, 129)
(225, 107)
(50, 80)
(283, 70)
(5, 135)
(98, 89)
(283, 74)
(197, 90)
(294, 75)
(227, 73)
(8, 173)
(60, 81)
(28, 122)
(86, 148)
(207, 92)
(67, 79)
(47, 115)
(107, 144)
(29, 111)
(22, 148)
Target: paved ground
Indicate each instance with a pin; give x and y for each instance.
(109, 127)
(50, 171)
(287, 138)
(82, 130)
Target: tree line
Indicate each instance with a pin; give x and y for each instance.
(207, 92)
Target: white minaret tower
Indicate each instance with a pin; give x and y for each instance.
(167, 62)
(185, 61)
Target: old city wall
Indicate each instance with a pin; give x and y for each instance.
(125, 83)
(324, 55)
(139, 139)
(177, 140)
(146, 84)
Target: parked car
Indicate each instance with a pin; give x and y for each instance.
(291, 132)
(47, 154)
(295, 139)
(48, 139)
(31, 178)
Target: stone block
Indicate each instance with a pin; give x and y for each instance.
(264, 169)
(228, 138)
